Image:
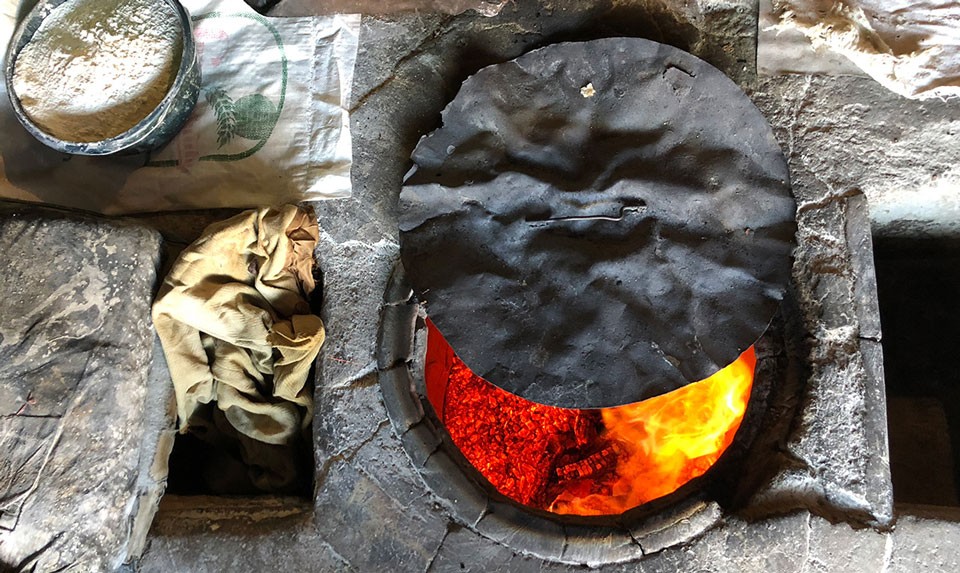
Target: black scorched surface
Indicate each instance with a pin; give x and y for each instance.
(598, 223)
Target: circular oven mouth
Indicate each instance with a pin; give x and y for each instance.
(585, 249)
(473, 501)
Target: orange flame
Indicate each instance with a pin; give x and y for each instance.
(587, 462)
(668, 440)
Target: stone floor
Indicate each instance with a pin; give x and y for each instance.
(372, 511)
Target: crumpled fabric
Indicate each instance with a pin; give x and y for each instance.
(238, 333)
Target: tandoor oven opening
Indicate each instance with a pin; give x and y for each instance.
(588, 462)
(601, 270)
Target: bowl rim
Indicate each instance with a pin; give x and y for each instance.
(130, 138)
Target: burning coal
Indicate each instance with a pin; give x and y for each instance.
(591, 461)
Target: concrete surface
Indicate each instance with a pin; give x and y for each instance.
(826, 504)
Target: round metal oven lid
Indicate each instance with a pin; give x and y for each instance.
(599, 223)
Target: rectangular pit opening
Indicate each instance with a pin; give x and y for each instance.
(918, 281)
(216, 475)
(198, 467)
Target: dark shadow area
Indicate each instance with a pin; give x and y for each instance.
(918, 281)
(201, 467)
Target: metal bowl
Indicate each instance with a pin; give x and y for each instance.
(157, 128)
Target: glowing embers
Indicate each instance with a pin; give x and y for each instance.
(586, 462)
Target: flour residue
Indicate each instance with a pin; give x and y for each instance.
(95, 68)
(911, 48)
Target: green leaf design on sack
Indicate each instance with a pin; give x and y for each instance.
(260, 115)
(225, 110)
(256, 117)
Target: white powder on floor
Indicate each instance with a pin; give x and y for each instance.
(910, 47)
(95, 68)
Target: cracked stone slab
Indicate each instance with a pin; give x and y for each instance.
(846, 361)
(845, 133)
(340, 431)
(824, 466)
(384, 461)
(371, 530)
(81, 421)
(466, 551)
(925, 543)
(467, 502)
(246, 549)
(779, 544)
(356, 270)
(839, 547)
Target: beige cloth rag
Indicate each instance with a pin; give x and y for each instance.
(237, 330)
